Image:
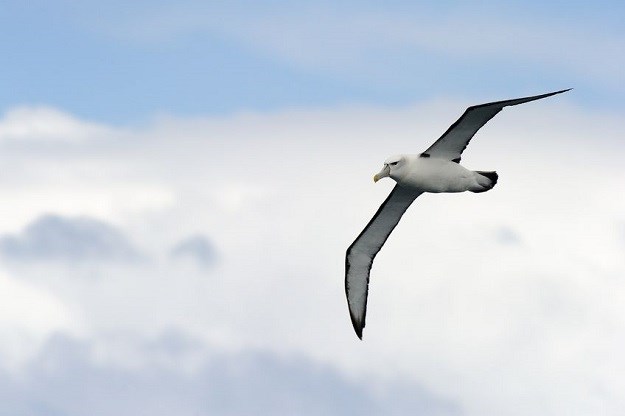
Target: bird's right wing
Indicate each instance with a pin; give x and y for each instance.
(363, 250)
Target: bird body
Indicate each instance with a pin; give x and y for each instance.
(436, 170)
(435, 175)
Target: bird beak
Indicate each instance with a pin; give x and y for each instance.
(385, 172)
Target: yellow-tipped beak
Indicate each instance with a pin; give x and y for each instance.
(382, 174)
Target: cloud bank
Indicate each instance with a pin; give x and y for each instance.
(507, 302)
(65, 379)
(52, 237)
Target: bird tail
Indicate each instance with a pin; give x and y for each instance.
(486, 180)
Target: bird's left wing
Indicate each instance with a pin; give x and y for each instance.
(453, 142)
(363, 250)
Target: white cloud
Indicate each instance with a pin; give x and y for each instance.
(451, 308)
(246, 383)
(56, 238)
(47, 124)
(28, 316)
(112, 202)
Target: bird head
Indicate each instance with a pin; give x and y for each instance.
(391, 166)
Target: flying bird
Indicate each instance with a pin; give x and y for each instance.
(436, 170)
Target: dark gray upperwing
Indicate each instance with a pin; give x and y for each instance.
(363, 250)
(453, 142)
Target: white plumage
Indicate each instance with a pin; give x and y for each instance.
(436, 170)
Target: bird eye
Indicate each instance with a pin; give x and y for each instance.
(393, 163)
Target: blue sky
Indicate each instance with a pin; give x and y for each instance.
(123, 63)
(181, 179)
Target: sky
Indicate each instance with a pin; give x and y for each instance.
(181, 181)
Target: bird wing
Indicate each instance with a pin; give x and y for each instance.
(363, 250)
(453, 142)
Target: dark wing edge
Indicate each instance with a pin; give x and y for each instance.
(367, 245)
(483, 113)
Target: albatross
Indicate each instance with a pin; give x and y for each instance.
(436, 170)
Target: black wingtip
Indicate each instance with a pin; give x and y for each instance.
(549, 94)
(357, 327)
(561, 91)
